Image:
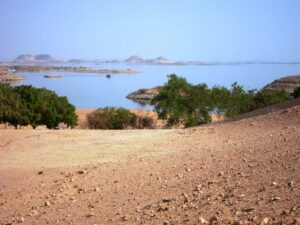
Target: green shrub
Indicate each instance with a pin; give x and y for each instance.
(296, 93)
(111, 118)
(26, 105)
(266, 97)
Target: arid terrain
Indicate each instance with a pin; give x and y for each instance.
(245, 171)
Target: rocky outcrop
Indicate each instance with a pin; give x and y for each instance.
(143, 95)
(6, 76)
(288, 84)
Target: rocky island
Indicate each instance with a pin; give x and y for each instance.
(6, 76)
(144, 95)
(27, 68)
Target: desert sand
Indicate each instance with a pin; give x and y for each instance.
(245, 171)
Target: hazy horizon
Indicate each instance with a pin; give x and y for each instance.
(191, 30)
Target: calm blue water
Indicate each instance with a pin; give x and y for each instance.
(86, 90)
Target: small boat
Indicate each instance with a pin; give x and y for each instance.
(108, 76)
(53, 76)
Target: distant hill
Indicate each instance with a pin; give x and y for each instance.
(134, 60)
(35, 58)
(76, 61)
(160, 60)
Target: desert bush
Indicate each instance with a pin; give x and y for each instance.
(111, 118)
(144, 122)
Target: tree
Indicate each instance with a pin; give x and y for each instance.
(180, 102)
(239, 101)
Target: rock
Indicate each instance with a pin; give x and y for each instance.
(221, 174)
(82, 172)
(274, 183)
(34, 212)
(214, 219)
(125, 218)
(47, 203)
(297, 220)
(166, 223)
(40, 172)
(90, 214)
(21, 219)
(188, 170)
(144, 95)
(265, 221)
(276, 198)
(201, 220)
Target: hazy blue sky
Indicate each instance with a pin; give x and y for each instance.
(223, 30)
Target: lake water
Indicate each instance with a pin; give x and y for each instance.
(86, 90)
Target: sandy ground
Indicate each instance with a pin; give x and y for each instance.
(241, 172)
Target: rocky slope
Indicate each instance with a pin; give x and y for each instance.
(288, 83)
(241, 172)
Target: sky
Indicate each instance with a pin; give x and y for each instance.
(205, 30)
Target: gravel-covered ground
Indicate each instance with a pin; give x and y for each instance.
(241, 172)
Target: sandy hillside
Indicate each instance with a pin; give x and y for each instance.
(241, 172)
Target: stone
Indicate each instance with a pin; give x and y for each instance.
(202, 220)
(90, 214)
(265, 221)
(40, 172)
(47, 203)
(82, 172)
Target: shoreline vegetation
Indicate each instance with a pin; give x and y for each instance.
(288, 84)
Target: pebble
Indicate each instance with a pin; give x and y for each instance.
(265, 221)
(202, 220)
(82, 172)
(47, 203)
(90, 214)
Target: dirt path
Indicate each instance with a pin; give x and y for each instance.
(243, 172)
